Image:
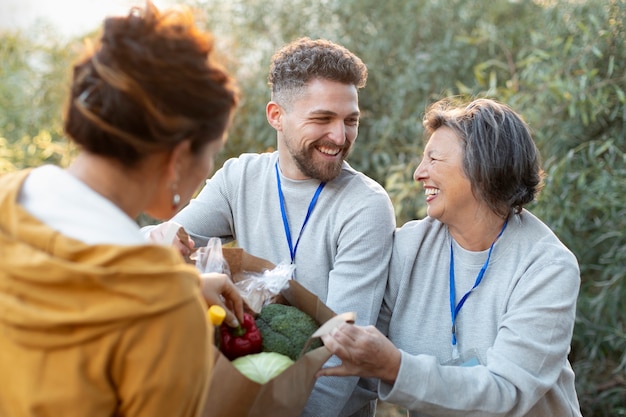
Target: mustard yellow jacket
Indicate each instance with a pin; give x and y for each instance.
(98, 330)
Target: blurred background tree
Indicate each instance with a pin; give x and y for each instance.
(561, 64)
(34, 74)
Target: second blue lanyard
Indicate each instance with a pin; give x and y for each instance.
(455, 309)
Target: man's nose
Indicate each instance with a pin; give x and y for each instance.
(337, 133)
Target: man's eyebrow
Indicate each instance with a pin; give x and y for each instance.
(322, 112)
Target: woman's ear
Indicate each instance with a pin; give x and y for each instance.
(178, 158)
(274, 114)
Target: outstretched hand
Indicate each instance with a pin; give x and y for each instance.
(163, 233)
(364, 351)
(219, 289)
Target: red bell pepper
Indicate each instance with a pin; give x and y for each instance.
(241, 340)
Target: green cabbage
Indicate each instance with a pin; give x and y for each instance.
(261, 367)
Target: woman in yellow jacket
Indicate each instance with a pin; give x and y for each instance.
(94, 320)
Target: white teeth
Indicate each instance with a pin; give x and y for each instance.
(328, 151)
(431, 191)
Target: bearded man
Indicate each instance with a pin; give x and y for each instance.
(304, 204)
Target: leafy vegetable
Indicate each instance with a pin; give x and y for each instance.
(261, 367)
(286, 329)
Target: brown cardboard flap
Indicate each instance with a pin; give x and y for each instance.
(230, 392)
(233, 395)
(287, 394)
(298, 296)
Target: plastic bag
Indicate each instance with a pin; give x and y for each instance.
(261, 288)
(209, 258)
(256, 288)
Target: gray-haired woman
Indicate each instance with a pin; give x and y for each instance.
(481, 300)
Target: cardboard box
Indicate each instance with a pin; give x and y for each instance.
(231, 394)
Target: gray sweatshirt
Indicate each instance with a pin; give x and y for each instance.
(343, 252)
(519, 320)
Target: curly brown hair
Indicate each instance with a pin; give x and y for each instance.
(304, 59)
(149, 83)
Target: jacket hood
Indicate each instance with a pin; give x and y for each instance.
(56, 291)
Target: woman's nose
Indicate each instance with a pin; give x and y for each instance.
(420, 172)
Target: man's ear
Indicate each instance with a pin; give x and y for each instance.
(274, 113)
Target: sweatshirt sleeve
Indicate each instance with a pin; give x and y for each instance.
(210, 213)
(356, 283)
(163, 363)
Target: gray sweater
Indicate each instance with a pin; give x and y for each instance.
(343, 253)
(519, 319)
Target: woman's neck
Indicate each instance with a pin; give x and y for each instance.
(110, 179)
(479, 234)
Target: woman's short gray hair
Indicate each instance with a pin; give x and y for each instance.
(500, 158)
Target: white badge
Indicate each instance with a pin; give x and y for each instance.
(470, 357)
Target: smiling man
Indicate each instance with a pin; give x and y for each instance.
(304, 204)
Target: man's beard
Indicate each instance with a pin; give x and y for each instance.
(323, 171)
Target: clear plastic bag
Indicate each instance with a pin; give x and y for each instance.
(210, 258)
(259, 289)
(256, 288)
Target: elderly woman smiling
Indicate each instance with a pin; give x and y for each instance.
(481, 300)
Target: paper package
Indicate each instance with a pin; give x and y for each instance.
(231, 394)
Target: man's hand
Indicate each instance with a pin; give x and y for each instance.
(171, 233)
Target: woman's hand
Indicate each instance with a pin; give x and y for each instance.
(219, 289)
(364, 351)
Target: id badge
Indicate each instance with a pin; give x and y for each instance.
(470, 357)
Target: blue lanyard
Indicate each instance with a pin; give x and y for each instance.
(281, 197)
(454, 310)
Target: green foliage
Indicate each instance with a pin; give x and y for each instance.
(560, 63)
(32, 151)
(584, 203)
(33, 70)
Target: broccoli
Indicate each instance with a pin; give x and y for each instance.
(286, 329)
